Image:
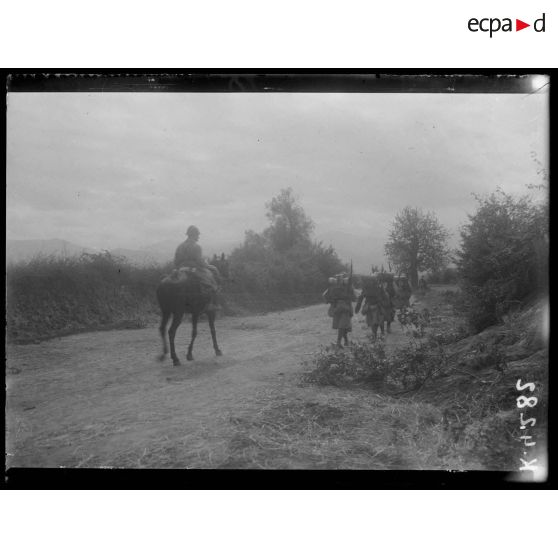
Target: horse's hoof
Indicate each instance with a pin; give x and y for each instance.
(189, 357)
(176, 362)
(218, 352)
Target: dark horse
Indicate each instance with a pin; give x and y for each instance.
(177, 299)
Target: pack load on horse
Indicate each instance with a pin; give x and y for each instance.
(191, 288)
(340, 295)
(376, 304)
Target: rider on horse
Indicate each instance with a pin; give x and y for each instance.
(189, 255)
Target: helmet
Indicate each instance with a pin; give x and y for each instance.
(192, 231)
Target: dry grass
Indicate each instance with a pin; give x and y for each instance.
(332, 429)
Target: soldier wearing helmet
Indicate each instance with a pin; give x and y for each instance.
(189, 254)
(340, 296)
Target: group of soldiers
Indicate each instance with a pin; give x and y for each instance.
(381, 295)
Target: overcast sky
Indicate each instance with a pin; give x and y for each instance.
(109, 170)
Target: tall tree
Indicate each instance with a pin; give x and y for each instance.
(289, 223)
(417, 242)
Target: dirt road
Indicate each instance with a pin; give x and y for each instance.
(102, 399)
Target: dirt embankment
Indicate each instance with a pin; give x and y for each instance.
(102, 399)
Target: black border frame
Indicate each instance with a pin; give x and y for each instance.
(455, 81)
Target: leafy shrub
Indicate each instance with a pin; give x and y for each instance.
(367, 364)
(503, 258)
(358, 363)
(416, 363)
(413, 320)
(51, 296)
(270, 279)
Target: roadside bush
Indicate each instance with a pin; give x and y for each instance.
(413, 320)
(51, 296)
(267, 279)
(413, 365)
(360, 363)
(503, 259)
(407, 369)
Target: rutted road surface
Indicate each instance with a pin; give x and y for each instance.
(102, 399)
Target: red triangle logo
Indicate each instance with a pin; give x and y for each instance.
(519, 25)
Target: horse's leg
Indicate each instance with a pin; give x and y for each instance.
(195, 316)
(345, 336)
(162, 330)
(388, 326)
(176, 319)
(374, 332)
(211, 318)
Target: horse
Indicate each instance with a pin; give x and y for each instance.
(177, 298)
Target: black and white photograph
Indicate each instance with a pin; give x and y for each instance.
(278, 272)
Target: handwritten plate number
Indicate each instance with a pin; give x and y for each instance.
(525, 438)
(526, 422)
(528, 465)
(523, 401)
(529, 385)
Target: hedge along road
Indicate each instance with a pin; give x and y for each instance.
(102, 399)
